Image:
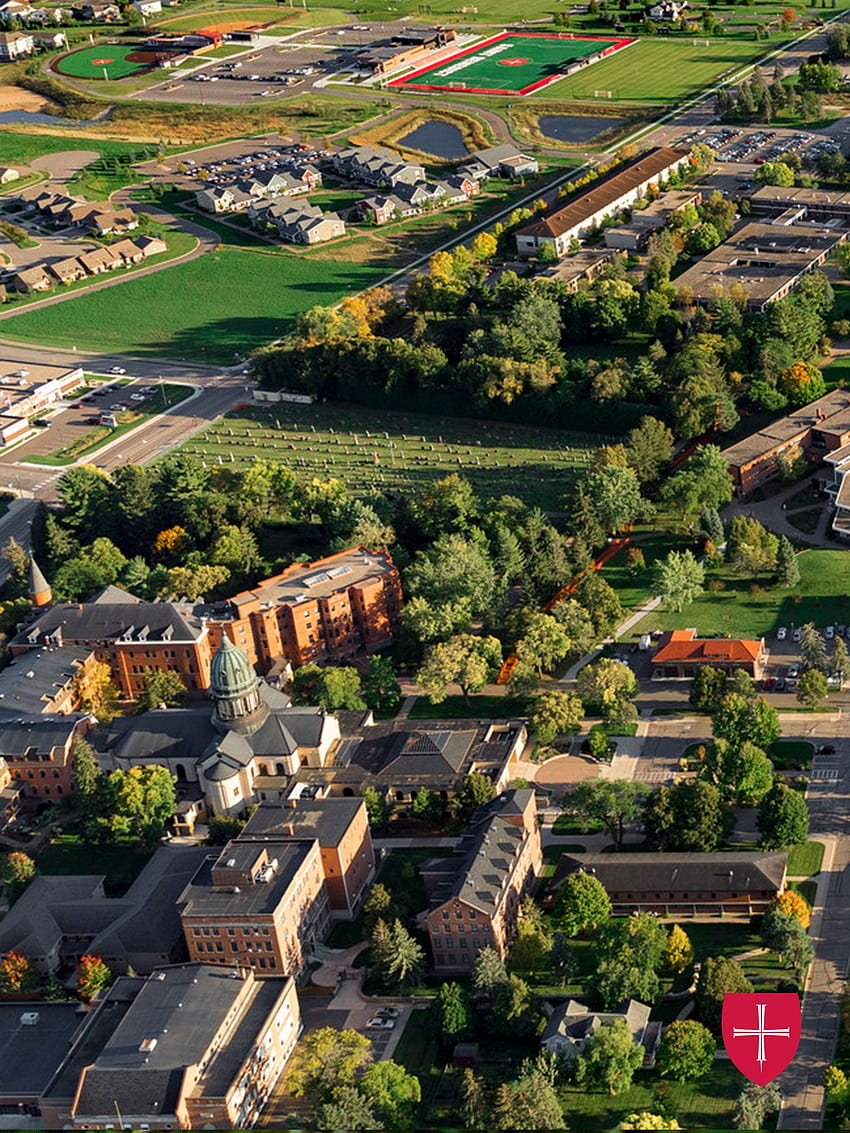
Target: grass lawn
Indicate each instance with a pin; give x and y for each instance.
(93, 439)
(706, 1104)
(392, 451)
(239, 300)
(791, 755)
(103, 61)
(120, 865)
(632, 590)
(657, 70)
(247, 17)
(20, 149)
(824, 587)
(806, 859)
(806, 889)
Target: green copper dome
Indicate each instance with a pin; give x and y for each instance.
(231, 673)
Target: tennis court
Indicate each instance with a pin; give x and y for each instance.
(512, 63)
(118, 60)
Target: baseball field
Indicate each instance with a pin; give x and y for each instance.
(511, 63)
(106, 61)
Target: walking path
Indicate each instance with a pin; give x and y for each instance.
(624, 627)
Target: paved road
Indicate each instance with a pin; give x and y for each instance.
(15, 524)
(829, 805)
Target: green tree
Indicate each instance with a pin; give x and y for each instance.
(650, 447)
(787, 567)
(397, 955)
(689, 816)
(530, 1102)
(582, 903)
(744, 774)
(474, 790)
(544, 643)
(327, 1060)
(774, 173)
(532, 946)
(336, 688)
(87, 772)
(679, 953)
(452, 1006)
(750, 547)
(221, 828)
(426, 805)
(836, 1085)
(453, 571)
(679, 580)
(812, 689)
(607, 684)
(140, 801)
(378, 808)
(347, 1109)
(381, 690)
(554, 714)
(160, 688)
(377, 906)
(514, 1010)
(839, 661)
(755, 1104)
(18, 871)
(707, 688)
(702, 481)
(783, 818)
(465, 660)
(609, 1059)
(392, 1092)
(616, 496)
(472, 1100)
(719, 977)
(812, 647)
(739, 719)
(613, 802)
(489, 972)
(563, 961)
(686, 1051)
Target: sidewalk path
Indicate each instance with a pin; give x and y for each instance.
(621, 629)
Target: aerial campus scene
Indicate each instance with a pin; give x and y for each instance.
(424, 564)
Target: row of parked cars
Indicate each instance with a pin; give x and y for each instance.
(796, 634)
(383, 1019)
(286, 158)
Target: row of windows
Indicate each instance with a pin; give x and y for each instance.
(207, 930)
(471, 913)
(218, 946)
(460, 928)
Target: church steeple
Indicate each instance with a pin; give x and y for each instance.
(41, 593)
(235, 688)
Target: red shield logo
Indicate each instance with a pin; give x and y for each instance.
(761, 1032)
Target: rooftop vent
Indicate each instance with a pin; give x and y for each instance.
(146, 1046)
(30, 1019)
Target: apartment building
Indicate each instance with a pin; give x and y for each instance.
(601, 201)
(38, 751)
(341, 827)
(190, 1047)
(327, 610)
(474, 895)
(261, 905)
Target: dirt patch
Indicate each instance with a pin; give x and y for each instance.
(62, 166)
(15, 98)
(566, 771)
(233, 25)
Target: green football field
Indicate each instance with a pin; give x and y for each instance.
(658, 71)
(91, 62)
(508, 63)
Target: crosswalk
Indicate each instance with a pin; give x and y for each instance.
(825, 774)
(655, 776)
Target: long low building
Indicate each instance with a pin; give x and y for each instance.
(683, 885)
(27, 391)
(603, 200)
(681, 653)
(764, 261)
(813, 432)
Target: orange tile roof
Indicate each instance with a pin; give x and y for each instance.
(684, 645)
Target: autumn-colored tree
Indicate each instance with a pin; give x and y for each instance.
(96, 692)
(17, 972)
(789, 15)
(793, 905)
(801, 383)
(18, 871)
(170, 544)
(484, 246)
(93, 975)
(679, 952)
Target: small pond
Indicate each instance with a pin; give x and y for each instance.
(441, 139)
(572, 129)
(36, 118)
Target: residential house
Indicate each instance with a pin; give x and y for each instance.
(129, 252)
(147, 8)
(504, 161)
(8, 174)
(98, 11)
(107, 221)
(680, 886)
(263, 905)
(193, 1047)
(307, 224)
(15, 9)
(150, 245)
(310, 174)
(571, 1025)
(54, 40)
(601, 201)
(31, 279)
(681, 654)
(58, 919)
(667, 11)
(475, 894)
(67, 271)
(99, 260)
(16, 45)
(381, 210)
(377, 166)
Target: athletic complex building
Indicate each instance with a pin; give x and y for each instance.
(511, 63)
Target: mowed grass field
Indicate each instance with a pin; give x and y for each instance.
(373, 450)
(214, 309)
(822, 591)
(246, 17)
(656, 71)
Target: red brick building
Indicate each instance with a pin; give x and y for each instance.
(681, 653)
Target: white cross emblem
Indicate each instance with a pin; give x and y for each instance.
(761, 1033)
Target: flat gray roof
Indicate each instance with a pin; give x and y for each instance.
(30, 1055)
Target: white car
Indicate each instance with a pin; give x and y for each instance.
(118, 370)
(376, 1023)
(830, 632)
(781, 633)
(796, 635)
(137, 397)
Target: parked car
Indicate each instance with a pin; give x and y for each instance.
(767, 686)
(387, 1013)
(780, 684)
(137, 397)
(830, 632)
(76, 405)
(825, 749)
(794, 671)
(781, 633)
(377, 1023)
(118, 370)
(796, 635)
(42, 422)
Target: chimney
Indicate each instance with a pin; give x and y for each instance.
(292, 804)
(289, 829)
